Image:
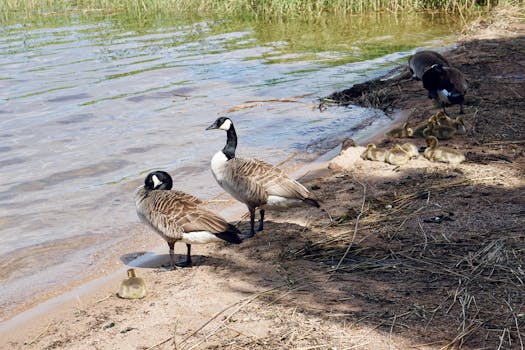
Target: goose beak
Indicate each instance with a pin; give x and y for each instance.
(213, 126)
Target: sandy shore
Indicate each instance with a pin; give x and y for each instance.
(422, 256)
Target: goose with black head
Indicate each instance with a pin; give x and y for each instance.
(254, 182)
(179, 216)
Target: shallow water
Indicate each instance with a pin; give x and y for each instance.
(89, 105)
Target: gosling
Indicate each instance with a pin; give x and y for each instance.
(400, 132)
(132, 287)
(442, 132)
(411, 149)
(458, 124)
(374, 153)
(397, 156)
(442, 154)
(420, 127)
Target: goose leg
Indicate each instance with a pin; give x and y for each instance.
(172, 254)
(252, 224)
(261, 221)
(444, 111)
(461, 109)
(186, 263)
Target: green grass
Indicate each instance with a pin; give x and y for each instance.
(252, 8)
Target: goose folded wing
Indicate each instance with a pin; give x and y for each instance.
(276, 182)
(201, 219)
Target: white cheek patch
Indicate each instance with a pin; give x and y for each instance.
(156, 181)
(226, 125)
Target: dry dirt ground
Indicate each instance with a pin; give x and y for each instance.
(422, 256)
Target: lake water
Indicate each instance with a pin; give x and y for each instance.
(88, 105)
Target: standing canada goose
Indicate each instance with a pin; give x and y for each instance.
(446, 85)
(442, 154)
(442, 132)
(374, 153)
(132, 287)
(397, 156)
(178, 216)
(400, 132)
(419, 62)
(254, 182)
(411, 149)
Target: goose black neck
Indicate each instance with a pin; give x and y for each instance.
(231, 143)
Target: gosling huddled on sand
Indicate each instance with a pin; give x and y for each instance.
(442, 154)
(438, 125)
(397, 155)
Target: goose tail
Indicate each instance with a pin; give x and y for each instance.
(312, 202)
(231, 235)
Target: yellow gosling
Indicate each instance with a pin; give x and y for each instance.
(442, 132)
(400, 132)
(411, 149)
(132, 287)
(397, 156)
(374, 153)
(442, 154)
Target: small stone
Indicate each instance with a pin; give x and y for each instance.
(108, 325)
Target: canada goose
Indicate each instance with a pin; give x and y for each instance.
(458, 124)
(178, 216)
(419, 62)
(132, 287)
(400, 132)
(254, 182)
(442, 154)
(447, 85)
(442, 132)
(411, 149)
(374, 153)
(397, 156)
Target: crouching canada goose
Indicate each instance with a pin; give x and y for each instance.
(254, 182)
(442, 154)
(397, 156)
(178, 216)
(374, 153)
(400, 132)
(132, 287)
(446, 85)
(419, 62)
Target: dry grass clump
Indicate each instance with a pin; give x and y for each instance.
(457, 275)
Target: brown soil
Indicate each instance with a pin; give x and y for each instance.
(422, 256)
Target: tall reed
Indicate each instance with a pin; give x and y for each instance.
(254, 8)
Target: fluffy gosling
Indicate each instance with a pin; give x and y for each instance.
(400, 132)
(442, 154)
(411, 149)
(374, 153)
(132, 287)
(397, 156)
